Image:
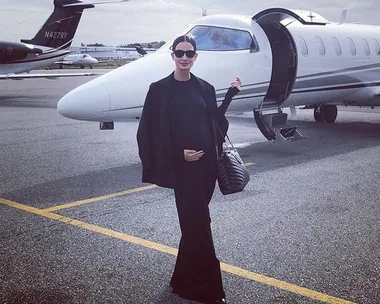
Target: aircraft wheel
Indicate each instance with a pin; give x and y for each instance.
(329, 113)
(82, 66)
(318, 115)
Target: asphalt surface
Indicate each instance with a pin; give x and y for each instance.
(309, 218)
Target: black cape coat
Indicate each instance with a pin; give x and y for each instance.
(154, 136)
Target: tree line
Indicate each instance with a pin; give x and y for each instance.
(154, 44)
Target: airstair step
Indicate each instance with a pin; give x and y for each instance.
(274, 126)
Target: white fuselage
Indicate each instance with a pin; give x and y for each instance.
(79, 60)
(309, 71)
(337, 71)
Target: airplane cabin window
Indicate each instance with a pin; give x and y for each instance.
(303, 45)
(366, 46)
(338, 48)
(210, 38)
(352, 46)
(377, 46)
(321, 45)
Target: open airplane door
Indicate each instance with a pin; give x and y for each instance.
(284, 69)
(276, 15)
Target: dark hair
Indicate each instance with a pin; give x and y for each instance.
(184, 38)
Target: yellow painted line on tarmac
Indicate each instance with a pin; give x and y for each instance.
(108, 196)
(94, 228)
(21, 206)
(99, 198)
(309, 293)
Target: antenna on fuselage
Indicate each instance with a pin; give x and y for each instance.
(343, 16)
(204, 12)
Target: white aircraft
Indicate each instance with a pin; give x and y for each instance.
(81, 60)
(50, 44)
(284, 58)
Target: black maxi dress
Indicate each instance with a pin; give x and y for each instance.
(197, 274)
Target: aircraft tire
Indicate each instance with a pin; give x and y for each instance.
(329, 113)
(318, 115)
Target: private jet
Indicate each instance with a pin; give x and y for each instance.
(285, 58)
(81, 60)
(50, 44)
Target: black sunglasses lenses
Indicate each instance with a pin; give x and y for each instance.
(180, 53)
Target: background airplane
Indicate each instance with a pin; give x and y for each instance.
(81, 60)
(140, 49)
(50, 44)
(284, 58)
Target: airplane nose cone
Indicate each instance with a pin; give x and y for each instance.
(85, 102)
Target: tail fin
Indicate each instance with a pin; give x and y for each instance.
(59, 29)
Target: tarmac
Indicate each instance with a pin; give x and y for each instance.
(78, 226)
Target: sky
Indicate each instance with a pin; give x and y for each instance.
(156, 20)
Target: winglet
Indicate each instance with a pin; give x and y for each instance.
(78, 3)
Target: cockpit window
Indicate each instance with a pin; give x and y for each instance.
(85, 56)
(210, 38)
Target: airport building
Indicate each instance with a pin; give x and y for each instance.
(109, 52)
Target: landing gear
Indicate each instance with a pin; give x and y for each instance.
(330, 113)
(318, 115)
(327, 113)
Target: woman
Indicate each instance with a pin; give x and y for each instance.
(180, 129)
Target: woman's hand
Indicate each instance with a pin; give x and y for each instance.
(192, 155)
(236, 83)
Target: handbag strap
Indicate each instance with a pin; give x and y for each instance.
(228, 147)
(214, 123)
(230, 142)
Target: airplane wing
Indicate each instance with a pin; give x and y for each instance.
(64, 62)
(47, 76)
(370, 94)
(92, 3)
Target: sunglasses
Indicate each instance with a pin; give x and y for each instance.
(180, 53)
